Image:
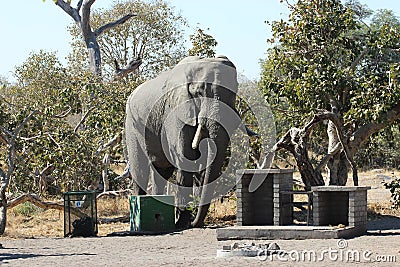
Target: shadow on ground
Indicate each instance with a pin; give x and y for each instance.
(4, 257)
(388, 224)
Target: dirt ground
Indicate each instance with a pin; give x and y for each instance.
(198, 247)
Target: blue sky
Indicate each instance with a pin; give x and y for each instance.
(238, 26)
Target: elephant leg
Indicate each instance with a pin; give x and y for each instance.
(185, 180)
(183, 197)
(139, 169)
(159, 178)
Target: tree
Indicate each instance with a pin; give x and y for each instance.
(8, 139)
(53, 127)
(326, 63)
(82, 18)
(154, 37)
(203, 44)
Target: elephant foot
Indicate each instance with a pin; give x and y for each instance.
(184, 219)
(197, 225)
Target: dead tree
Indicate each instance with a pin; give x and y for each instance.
(81, 15)
(10, 139)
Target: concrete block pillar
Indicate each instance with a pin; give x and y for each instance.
(258, 198)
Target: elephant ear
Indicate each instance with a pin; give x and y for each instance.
(188, 102)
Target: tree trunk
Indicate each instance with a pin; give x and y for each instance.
(42, 204)
(337, 170)
(296, 140)
(333, 164)
(343, 170)
(94, 54)
(106, 166)
(3, 211)
(81, 16)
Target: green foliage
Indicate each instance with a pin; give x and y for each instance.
(193, 205)
(26, 209)
(382, 150)
(394, 188)
(203, 44)
(56, 149)
(324, 56)
(383, 17)
(155, 34)
(59, 149)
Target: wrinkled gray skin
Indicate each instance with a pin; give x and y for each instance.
(163, 117)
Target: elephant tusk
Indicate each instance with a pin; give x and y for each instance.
(197, 137)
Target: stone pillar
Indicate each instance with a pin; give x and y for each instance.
(283, 181)
(358, 209)
(258, 198)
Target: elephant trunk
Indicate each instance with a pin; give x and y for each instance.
(205, 200)
(215, 160)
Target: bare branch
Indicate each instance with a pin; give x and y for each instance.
(83, 119)
(5, 133)
(85, 21)
(115, 140)
(63, 114)
(130, 67)
(79, 5)
(41, 204)
(55, 142)
(47, 170)
(72, 12)
(3, 139)
(358, 59)
(113, 24)
(11, 150)
(331, 154)
(30, 138)
(115, 193)
(118, 161)
(361, 135)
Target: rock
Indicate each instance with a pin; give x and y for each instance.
(248, 250)
(273, 246)
(264, 246)
(235, 245)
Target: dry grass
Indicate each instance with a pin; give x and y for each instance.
(28, 221)
(111, 207)
(37, 224)
(222, 212)
(377, 210)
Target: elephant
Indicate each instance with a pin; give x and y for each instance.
(182, 121)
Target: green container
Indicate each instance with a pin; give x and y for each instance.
(80, 213)
(152, 213)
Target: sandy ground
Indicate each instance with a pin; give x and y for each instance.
(198, 247)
